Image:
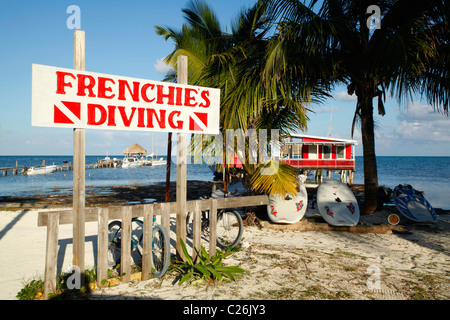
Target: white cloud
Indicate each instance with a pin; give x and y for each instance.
(420, 122)
(326, 109)
(161, 67)
(344, 96)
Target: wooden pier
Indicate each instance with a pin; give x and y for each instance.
(62, 167)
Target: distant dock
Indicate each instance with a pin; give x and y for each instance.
(62, 167)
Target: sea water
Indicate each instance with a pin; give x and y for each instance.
(62, 181)
(428, 174)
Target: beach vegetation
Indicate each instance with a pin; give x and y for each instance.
(34, 290)
(331, 43)
(203, 268)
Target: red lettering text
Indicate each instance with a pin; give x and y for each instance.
(188, 97)
(102, 89)
(134, 93)
(60, 83)
(179, 95)
(123, 114)
(141, 123)
(112, 116)
(179, 124)
(82, 86)
(91, 110)
(161, 95)
(161, 119)
(205, 97)
(144, 92)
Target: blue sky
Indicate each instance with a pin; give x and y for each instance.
(120, 40)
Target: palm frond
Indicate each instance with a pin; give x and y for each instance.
(275, 178)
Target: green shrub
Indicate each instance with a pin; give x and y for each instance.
(205, 268)
(35, 289)
(31, 291)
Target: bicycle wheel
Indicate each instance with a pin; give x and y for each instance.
(160, 251)
(190, 224)
(114, 243)
(229, 229)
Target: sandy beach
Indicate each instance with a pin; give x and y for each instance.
(306, 260)
(283, 262)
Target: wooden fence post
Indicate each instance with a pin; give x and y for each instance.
(51, 255)
(165, 216)
(147, 243)
(125, 250)
(196, 239)
(212, 227)
(182, 69)
(102, 246)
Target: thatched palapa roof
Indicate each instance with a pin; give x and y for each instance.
(135, 149)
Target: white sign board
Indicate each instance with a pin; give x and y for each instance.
(70, 98)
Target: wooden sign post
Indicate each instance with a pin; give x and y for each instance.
(182, 78)
(79, 161)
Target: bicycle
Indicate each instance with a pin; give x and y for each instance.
(160, 245)
(229, 227)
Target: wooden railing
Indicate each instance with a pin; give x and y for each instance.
(52, 220)
(338, 164)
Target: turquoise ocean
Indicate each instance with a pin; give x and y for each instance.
(428, 174)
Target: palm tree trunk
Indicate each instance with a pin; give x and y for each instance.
(370, 161)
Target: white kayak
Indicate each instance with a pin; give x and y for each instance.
(288, 209)
(337, 204)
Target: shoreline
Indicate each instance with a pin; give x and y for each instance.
(107, 196)
(102, 196)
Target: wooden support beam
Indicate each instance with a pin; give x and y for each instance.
(165, 216)
(102, 246)
(125, 250)
(182, 70)
(51, 255)
(147, 243)
(197, 231)
(212, 227)
(79, 159)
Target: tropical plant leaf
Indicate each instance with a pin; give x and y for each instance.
(187, 277)
(275, 178)
(202, 270)
(186, 254)
(207, 269)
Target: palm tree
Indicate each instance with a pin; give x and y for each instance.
(234, 63)
(331, 43)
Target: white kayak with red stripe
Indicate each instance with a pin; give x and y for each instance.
(337, 204)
